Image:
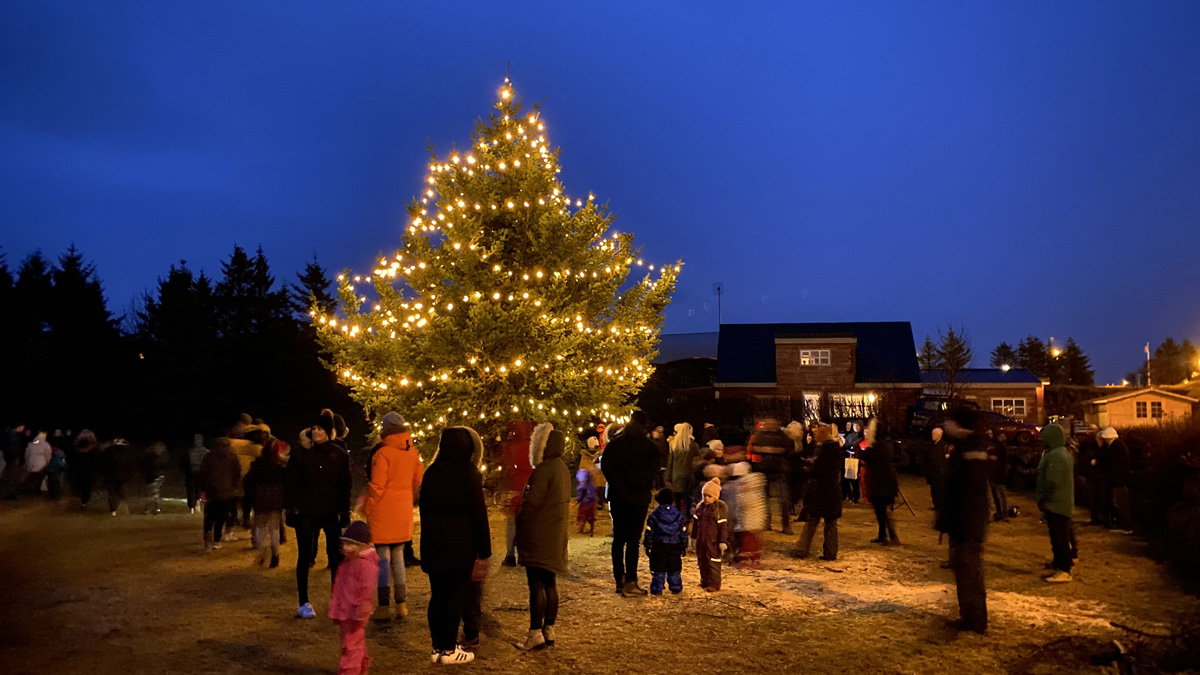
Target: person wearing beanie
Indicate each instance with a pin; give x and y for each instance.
(709, 524)
(965, 515)
(823, 495)
(665, 541)
(395, 482)
(1055, 495)
(350, 604)
(455, 539)
(316, 499)
(542, 532)
(1117, 478)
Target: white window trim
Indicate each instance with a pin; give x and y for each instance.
(1006, 404)
(820, 357)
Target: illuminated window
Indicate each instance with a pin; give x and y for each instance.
(1013, 407)
(814, 357)
(1141, 409)
(1156, 410)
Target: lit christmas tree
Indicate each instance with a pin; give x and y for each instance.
(507, 299)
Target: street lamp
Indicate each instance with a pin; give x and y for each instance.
(1056, 352)
(1005, 367)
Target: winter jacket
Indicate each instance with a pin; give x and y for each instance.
(120, 461)
(630, 464)
(1118, 464)
(542, 521)
(154, 461)
(1055, 491)
(396, 473)
(751, 503)
(823, 498)
(354, 587)
(882, 482)
(515, 451)
(58, 463)
(264, 483)
(774, 450)
(666, 525)
(317, 481)
(590, 459)
(454, 522)
(37, 454)
(997, 463)
(709, 524)
(195, 454)
(220, 474)
(586, 493)
(965, 511)
(247, 451)
(680, 467)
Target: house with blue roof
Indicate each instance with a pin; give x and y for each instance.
(838, 371)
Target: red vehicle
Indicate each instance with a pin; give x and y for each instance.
(1016, 431)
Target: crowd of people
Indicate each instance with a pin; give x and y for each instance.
(712, 501)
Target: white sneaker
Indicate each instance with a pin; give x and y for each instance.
(459, 655)
(1059, 577)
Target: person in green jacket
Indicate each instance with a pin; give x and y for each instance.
(542, 532)
(1056, 499)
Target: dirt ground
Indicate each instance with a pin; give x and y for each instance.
(84, 592)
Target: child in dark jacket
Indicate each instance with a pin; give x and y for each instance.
(666, 538)
(264, 490)
(586, 495)
(709, 522)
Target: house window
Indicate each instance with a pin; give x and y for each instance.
(812, 406)
(814, 357)
(1013, 407)
(1156, 410)
(1141, 410)
(854, 405)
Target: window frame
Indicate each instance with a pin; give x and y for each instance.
(811, 358)
(1010, 407)
(1141, 410)
(1157, 411)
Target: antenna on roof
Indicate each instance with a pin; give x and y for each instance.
(718, 289)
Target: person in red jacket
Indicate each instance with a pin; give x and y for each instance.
(515, 470)
(350, 605)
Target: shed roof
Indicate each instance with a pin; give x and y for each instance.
(1144, 392)
(885, 351)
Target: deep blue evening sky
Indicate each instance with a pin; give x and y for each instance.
(1013, 167)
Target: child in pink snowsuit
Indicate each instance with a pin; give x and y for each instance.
(353, 591)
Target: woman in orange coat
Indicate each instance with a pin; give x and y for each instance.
(395, 480)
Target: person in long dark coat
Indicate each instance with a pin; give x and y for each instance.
(964, 516)
(823, 497)
(1117, 477)
(455, 535)
(882, 482)
(935, 467)
(629, 465)
(542, 531)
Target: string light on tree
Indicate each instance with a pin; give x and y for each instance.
(546, 320)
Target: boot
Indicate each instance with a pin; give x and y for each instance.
(535, 640)
(402, 609)
(382, 613)
(632, 590)
(208, 542)
(548, 633)
(274, 561)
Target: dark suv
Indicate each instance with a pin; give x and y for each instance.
(930, 411)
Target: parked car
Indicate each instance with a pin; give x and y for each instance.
(1016, 431)
(929, 412)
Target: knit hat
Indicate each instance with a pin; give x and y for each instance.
(392, 423)
(665, 496)
(712, 487)
(358, 532)
(1108, 434)
(325, 421)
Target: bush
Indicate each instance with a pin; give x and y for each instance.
(1165, 487)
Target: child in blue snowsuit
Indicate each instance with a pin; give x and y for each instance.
(666, 540)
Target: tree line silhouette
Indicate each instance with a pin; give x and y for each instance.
(188, 357)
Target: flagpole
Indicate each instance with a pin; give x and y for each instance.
(1148, 383)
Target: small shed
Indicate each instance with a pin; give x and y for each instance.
(1139, 408)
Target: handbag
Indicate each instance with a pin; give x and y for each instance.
(851, 468)
(481, 568)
